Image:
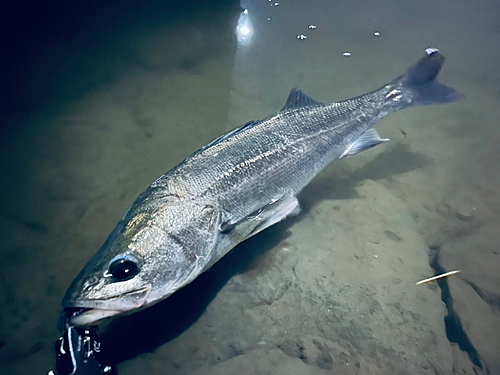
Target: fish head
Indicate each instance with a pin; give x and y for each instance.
(150, 254)
(115, 281)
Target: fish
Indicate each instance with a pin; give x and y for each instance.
(233, 188)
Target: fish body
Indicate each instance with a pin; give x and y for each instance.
(231, 189)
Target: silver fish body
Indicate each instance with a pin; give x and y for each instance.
(232, 188)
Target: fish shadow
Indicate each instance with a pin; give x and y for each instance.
(330, 186)
(146, 330)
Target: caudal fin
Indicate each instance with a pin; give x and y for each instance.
(419, 82)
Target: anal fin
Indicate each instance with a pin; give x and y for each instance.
(367, 140)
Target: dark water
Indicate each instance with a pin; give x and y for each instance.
(99, 99)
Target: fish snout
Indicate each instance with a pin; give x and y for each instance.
(80, 310)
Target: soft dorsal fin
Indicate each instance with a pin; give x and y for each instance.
(298, 99)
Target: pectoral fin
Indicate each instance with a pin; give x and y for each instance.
(273, 213)
(257, 221)
(368, 139)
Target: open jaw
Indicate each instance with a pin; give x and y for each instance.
(82, 312)
(84, 316)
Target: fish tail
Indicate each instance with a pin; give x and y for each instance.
(419, 84)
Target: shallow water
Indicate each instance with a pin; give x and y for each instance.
(101, 100)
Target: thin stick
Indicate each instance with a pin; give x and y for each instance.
(438, 277)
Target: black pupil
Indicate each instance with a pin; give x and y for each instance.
(123, 269)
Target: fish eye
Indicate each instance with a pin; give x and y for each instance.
(123, 268)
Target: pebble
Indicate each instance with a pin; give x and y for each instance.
(465, 214)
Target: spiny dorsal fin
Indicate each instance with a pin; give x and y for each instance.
(297, 99)
(229, 134)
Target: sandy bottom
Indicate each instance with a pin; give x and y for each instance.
(331, 291)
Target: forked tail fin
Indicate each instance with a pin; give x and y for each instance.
(419, 83)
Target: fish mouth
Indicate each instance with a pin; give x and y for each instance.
(89, 312)
(85, 316)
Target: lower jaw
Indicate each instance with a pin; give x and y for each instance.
(91, 317)
(84, 317)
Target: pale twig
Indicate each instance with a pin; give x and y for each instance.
(438, 277)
